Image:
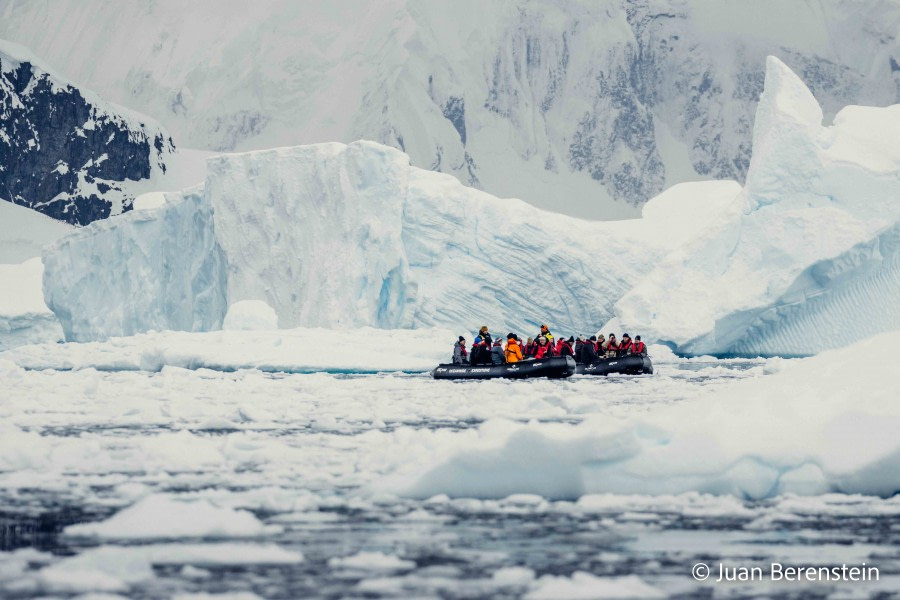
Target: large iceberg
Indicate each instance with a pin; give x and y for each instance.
(806, 258)
(342, 236)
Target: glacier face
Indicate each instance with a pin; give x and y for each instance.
(806, 258)
(144, 270)
(342, 236)
(581, 107)
(63, 151)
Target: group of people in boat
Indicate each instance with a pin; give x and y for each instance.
(487, 350)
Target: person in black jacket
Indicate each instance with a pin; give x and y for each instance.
(480, 354)
(486, 336)
(588, 352)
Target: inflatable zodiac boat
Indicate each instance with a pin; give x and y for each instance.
(554, 368)
(632, 364)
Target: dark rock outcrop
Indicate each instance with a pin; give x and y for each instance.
(65, 153)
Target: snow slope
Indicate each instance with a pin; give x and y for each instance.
(807, 257)
(790, 432)
(581, 107)
(343, 236)
(25, 232)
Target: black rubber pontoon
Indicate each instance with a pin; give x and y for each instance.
(632, 364)
(554, 368)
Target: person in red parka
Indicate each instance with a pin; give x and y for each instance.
(544, 349)
(639, 347)
(530, 348)
(624, 345)
(564, 347)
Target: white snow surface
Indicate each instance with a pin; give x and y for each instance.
(301, 350)
(250, 315)
(806, 258)
(24, 317)
(340, 236)
(790, 432)
(149, 201)
(162, 517)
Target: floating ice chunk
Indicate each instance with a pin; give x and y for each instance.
(584, 586)
(223, 596)
(116, 568)
(160, 517)
(513, 576)
(372, 561)
(250, 315)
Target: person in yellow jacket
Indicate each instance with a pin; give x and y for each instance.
(545, 331)
(513, 351)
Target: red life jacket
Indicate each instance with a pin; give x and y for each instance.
(612, 346)
(639, 347)
(625, 346)
(544, 351)
(565, 349)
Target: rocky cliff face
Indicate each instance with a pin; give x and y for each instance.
(65, 153)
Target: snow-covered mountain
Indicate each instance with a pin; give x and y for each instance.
(343, 236)
(581, 107)
(65, 152)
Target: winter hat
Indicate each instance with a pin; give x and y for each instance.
(637, 338)
(483, 328)
(530, 340)
(625, 335)
(462, 339)
(593, 338)
(497, 342)
(571, 340)
(478, 339)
